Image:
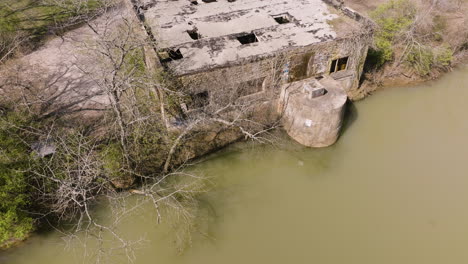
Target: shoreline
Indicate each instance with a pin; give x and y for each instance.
(366, 90)
(369, 86)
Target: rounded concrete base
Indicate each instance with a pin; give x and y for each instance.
(313, 117)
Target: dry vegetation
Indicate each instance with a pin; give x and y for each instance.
(139, 126)
(415, 39)
(58, 164)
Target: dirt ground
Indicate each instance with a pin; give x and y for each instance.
(454, 13)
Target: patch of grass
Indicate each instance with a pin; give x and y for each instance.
(33, 19)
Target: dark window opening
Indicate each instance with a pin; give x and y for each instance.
(208, 1)
(194, 34)
(319, 92)
(333, 66)
(193, 2)
(282, 19)
(339, 65)
(199, 100)
(230, 1)
(342, 64)
(168, 55)
(250, 87)
(247, 39)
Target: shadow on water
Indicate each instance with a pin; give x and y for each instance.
(351, 116)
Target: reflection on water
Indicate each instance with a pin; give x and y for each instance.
(394, 189)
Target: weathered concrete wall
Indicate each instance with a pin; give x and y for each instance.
(335, 3)
(213, 136)
(290, 65)
(223, 84)
(268, 105)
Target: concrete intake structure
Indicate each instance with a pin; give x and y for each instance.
(314, 111)
(251, 59)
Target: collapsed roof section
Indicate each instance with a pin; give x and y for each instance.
(198, 35)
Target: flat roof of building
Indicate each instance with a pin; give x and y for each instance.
(205, 34)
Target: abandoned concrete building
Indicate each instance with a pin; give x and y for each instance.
(266, 52)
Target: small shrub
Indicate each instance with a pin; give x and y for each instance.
(424, 58)
(444, 56)
(113, 160)
(383, 51)
(15, 223)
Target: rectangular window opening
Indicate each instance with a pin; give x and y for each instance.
(194, 34)
(333, 66)
(282, 18)
(167, 55)
(340, 64)
(199, 100)
(247, 39)
(208, 1)
(250, 87)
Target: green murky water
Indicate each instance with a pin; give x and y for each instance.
(394, 189)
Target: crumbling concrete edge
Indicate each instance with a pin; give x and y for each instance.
(339, 4)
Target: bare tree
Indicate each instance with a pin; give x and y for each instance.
(142, 113)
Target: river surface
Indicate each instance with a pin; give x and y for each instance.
(393, 190)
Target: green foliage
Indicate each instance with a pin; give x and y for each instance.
(136, 61)
(113, 160)
(15, 223)
(384, 51)
(33, 19)
(147, 148)
(421, 59)
(8, 20)
(146, 153)
(444, 55)
(391, 18)
(424, 58)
